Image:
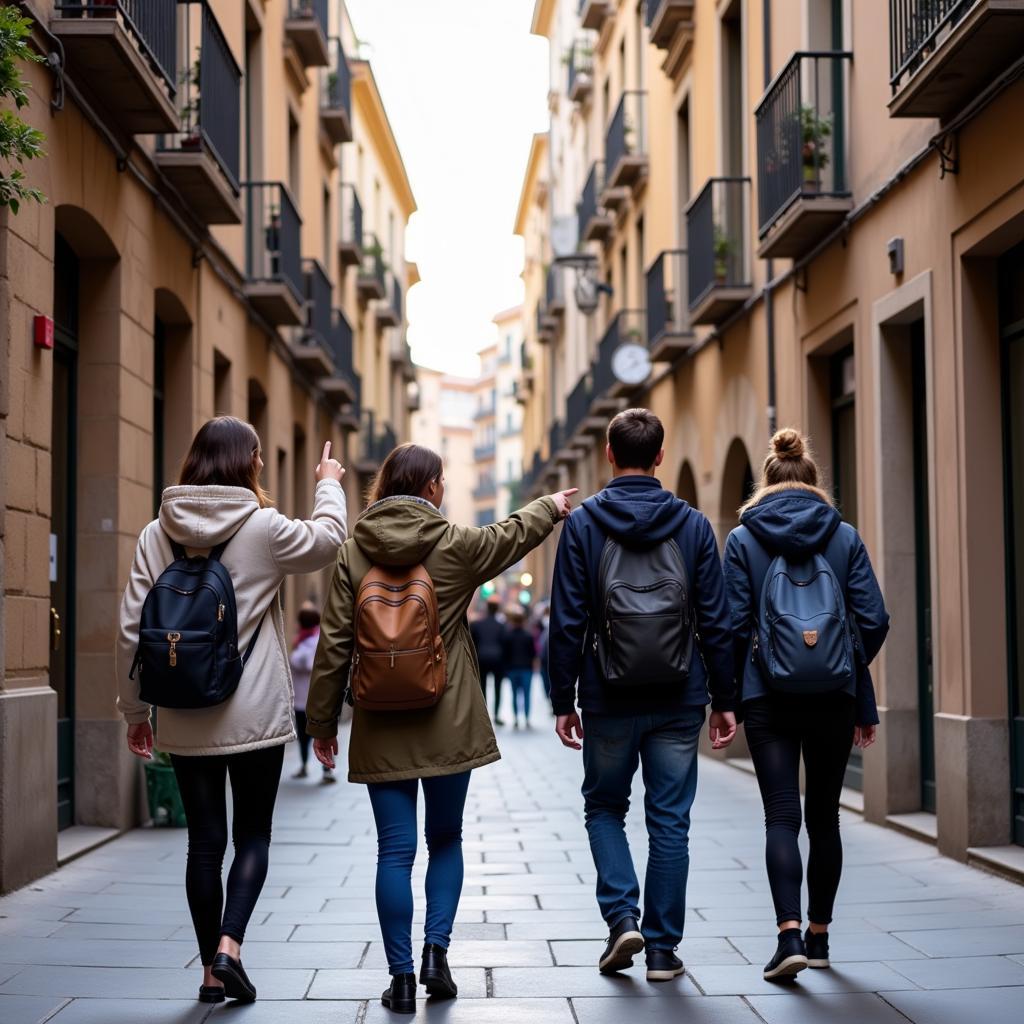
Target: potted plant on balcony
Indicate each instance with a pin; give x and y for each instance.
(723, 250)
(332, 87)
(190, 134)
(814, 131)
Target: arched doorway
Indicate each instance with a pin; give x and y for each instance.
(686, 486)
(737, 486)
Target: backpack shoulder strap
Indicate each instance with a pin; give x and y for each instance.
(177, 550)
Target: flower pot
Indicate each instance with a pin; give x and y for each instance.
(165, 806)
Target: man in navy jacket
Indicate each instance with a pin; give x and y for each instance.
(658, 726)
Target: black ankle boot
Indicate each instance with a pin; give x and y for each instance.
(400, 996)
(435, 975)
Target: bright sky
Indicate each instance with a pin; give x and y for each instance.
(465, 87)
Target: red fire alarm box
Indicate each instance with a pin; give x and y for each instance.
(42, 331)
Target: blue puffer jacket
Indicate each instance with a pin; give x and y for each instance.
(637, 512)
(796, 521)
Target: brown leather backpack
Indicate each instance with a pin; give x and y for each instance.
(399, 662)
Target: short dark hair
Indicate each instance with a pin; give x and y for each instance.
(636, 437)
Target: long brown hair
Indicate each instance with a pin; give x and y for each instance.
(224, 453)
(789, 463)
(407, 470)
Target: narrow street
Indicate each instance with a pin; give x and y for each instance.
(107, 939)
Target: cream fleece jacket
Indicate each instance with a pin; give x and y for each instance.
(265, 547)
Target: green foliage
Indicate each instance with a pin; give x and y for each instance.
(18, 142)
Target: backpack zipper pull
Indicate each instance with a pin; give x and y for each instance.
(172, 653)
(220, 613)
(391, 651)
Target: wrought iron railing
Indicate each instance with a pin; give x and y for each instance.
(313, 9)
(914, 30)
(716, 231)
(668, 311)
(318, 303)
(627, 131)
(554, 289)
(377, 440)
(581, 64)
(628, 325)
(340, 343)
(589, 201)
(351, 213)
(336, 79)
(556, 438)
(801, 138)
(577, 405)
(273, 228)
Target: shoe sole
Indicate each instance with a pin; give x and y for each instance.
(819, 964)
(402, 1007)
(437, 987)
(620, 958)
(234, 985)
(665, 975)
(789, 968)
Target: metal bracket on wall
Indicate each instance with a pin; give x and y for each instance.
(55, 62)
(947, 146)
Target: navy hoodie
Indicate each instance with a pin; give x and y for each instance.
(796, 522)
(637, 512)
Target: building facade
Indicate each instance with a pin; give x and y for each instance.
(508, 418)
(806, 226)
(485, 438)
(223, 234)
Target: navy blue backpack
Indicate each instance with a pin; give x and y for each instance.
(802, 636)
(188, 653)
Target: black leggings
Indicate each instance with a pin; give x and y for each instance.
(778, 728)
(254, 776)
(304, 737)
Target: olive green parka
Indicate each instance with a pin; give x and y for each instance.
(456, 734)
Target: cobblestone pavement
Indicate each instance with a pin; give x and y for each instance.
(107, 939)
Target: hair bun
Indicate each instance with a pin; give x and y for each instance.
(788, 444)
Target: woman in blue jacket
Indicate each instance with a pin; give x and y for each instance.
(791, 516)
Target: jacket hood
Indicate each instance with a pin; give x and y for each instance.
(637, 511)
(203, 517)
(792, 521)
(399, 531)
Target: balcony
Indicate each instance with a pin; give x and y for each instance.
(668, 313)
(665, 18)
(943, 53)
(625, 145)
(554, 291)
(126, 50)
(484, 452)
(306, 29)
(486, 488)
(718, 267)
(371, 282)
(391, 313)
(595, 222)
(487, 409)
(336, 96)
(376, 441)
(201, 161)
(312, 351)
(580, 59)
(401, 355)
(580, 422)
(350, 233)
(342, 383)
(802, 189)
(547, 325)
(628, 326)
(274, 285)
(594, 13)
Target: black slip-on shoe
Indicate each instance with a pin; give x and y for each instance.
(211, 993)
(663, 965)
(624, 942)
(790, 957)
(435, 975)
(400, 995)
(236, 982)
(817, 949)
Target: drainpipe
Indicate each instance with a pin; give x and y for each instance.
(769, 305)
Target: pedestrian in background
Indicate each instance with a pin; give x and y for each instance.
(488, 635)
(520, 656)
(394, 752)
(303, 651)
(543, 634)
(802, 651)
(220, 506)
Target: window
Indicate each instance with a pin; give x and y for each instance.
(732, 90)
(842, 391)
(252, 82)
(682, 167)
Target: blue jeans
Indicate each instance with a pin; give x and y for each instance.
(665, 743)
(522, 684)
(394, 811)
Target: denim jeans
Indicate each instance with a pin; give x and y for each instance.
(665, 744)
(522, 684)
(394, 812)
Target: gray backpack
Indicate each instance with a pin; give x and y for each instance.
(643, 633)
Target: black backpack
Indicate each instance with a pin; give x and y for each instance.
(644, 633)
(188, 653)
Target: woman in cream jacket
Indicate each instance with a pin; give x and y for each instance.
(219, 499)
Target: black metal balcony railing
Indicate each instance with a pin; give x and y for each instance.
(273, 229)
(668, 311)
(914, 28)
(336, 79)
(556, 438)
(554, 289)
(318, 302)
(581, 67)
(628, 325)
(589, 206)
(373, 265)
(486, 409)
(716, 231)
(627, 131)
(340, 344)
(351, 212)
(801, 144)
(396, 299)
(152, 23)
(484, 452)
(577, 405)
(377, 440)
(312, 9)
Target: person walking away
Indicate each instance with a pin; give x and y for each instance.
(488, 635)
(302, 665)
(520, 655)
(217, 526)
(543, 633)
(808, 618)
(403, 536)
(640, 622)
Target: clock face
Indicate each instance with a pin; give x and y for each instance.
(631, 363)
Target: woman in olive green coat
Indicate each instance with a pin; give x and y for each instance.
(392, 750)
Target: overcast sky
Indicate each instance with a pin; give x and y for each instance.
(465, 86)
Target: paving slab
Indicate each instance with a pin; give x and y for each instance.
(664, 1011)
(480, 1011)
(28, 1009)
(964, 972)
(134, 1011)
(857, 977)
(814, 1008)
(584, 981)
(967, 941)
(991, 1005)
(287, 1013)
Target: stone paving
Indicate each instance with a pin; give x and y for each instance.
(107, 939)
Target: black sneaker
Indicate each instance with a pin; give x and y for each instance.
(400, 995)
(435, 976)
(624, 942)
(817, 949)
(790, 958)
(663, 965)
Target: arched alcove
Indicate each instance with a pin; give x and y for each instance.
(686, 485)
(737, 484)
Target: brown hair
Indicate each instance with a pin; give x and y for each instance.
(407, 470)
(789, 463)
(223, 453)
(636, 437)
